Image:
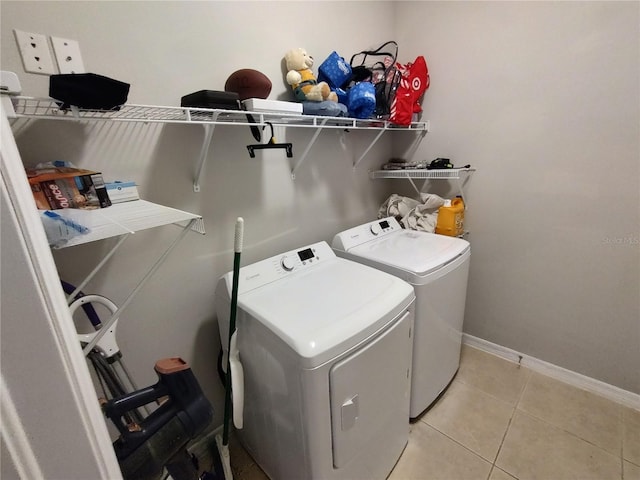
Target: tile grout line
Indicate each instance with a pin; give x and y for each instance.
(577, 437)
(564, 430)
(457, 442)
(515, 408)
(492, 464)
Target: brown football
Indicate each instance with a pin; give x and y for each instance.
(248, 83)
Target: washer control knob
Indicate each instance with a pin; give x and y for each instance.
(375, 228)
(287, 263)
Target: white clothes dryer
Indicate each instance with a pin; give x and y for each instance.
(325, 344)
(438, 268)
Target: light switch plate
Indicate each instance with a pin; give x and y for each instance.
(68, 55)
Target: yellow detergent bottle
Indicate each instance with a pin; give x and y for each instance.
(451, 218)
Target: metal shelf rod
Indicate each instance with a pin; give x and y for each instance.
(97, 267)
(135, 291)
(355, 165)
(206, 142)
(306, 150)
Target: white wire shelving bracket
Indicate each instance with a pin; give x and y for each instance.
(123, 220)
(208, 135)
(306, 151)
(47, 108)
(87, 348)
(423, 129)
(460, 175)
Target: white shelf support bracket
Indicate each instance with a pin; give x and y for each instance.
(89, 346)
(413, 184)
(460, 192)
(71, 296)
(461, 183)
(416, 143)
(208, 134)
(306, 150)
(355, 165)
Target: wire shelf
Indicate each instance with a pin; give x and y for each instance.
(46, 108)
(29, 107)
(127, 217)
(452, 173)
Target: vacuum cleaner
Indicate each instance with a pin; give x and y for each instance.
(145, 449)
(150, 442)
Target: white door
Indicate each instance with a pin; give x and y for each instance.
(370, 395)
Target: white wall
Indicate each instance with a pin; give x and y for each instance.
(166, 50)
(543, 99)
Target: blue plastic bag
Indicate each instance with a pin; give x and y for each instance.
(362, 100)
(334, 70)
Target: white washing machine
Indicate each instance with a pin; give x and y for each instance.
(325, 344)
(438, 268)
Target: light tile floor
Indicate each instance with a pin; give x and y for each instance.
(499, 421)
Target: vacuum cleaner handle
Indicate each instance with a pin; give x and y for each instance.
(186, 402)
(88, 308)
(107, 344)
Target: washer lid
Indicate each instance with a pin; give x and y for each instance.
(412, 251)
(322, 312)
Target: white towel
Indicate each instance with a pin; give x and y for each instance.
(413, 214)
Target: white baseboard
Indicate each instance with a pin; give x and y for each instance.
(616, 394)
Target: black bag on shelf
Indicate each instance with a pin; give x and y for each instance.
(384, 74)
(88, 91)
(212, 99)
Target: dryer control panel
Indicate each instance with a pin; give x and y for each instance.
(287, 263)
(355, 236)
(300, 258)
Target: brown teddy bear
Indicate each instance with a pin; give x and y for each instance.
(302, 80)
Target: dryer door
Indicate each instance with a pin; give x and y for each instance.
(370, 396)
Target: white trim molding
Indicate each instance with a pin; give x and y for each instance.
(613, 393)
(15, 439)
(42, 361)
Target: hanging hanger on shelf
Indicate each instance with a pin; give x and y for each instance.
(270, 144)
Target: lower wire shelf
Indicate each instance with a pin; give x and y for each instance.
(125, 218)
(460, 175)
(122, 220)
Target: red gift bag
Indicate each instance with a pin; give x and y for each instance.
(415, 81)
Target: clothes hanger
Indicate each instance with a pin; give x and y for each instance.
(270, 144)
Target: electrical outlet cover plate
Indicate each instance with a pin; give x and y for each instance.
(35, 53)
(67, 55)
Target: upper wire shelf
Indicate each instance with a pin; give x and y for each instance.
(50, 109)
(47, 108)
